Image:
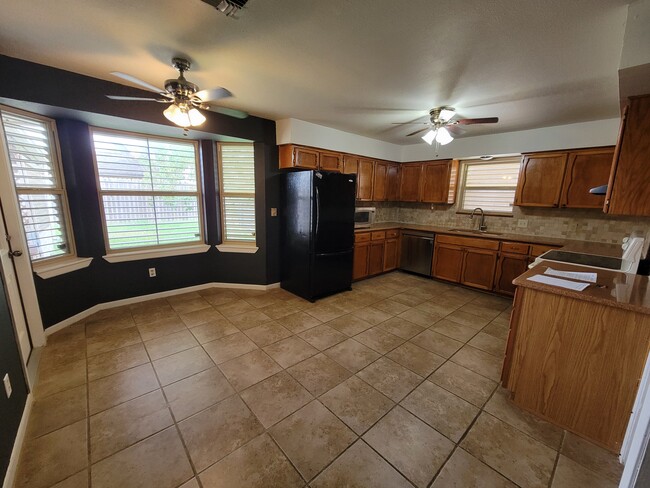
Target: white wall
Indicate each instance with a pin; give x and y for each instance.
(294, 131)
(585, 134)
(636, 43)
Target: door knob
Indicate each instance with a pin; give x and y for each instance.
(15, 254)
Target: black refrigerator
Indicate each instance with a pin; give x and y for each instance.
(317, 232)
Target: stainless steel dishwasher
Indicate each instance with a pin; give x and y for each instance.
(417, 252)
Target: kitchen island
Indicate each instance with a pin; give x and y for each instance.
(575, 358)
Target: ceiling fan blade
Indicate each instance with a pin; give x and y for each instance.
(410, 123)
(213, 94)
(137, 81)
(134, 99)
(485, 120)
(416, 132)
(238, 114)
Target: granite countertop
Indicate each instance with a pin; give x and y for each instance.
(613, 288)
(612, 250)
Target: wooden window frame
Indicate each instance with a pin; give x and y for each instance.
(100, 194)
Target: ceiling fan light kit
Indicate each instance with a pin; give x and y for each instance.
(227, 7)
(182, 116)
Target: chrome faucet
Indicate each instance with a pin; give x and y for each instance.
(481, 227)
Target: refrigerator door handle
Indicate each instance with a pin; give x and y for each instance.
(317, 211)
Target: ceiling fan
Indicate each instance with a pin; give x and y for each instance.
(184, 97)
(440, 122)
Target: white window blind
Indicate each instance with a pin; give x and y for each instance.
(34, 161)
(490, 186)
(149, 190)
(237, 175)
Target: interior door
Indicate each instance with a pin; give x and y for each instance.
(13, 294)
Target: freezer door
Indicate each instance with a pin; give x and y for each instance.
(333, 212)
(331, 273)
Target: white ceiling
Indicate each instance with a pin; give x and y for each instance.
(354, 65)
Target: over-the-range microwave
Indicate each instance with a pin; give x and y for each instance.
(364, 216)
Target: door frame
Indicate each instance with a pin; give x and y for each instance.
(22, 264)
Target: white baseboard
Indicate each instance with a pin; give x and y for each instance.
(143, 298)
(18, 445)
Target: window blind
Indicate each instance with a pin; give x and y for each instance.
(237, 164)
(149, 190)
(490, 186)
(41, 196)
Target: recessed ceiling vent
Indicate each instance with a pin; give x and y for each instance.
(229, 7)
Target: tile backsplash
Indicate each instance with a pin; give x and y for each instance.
(580, 224)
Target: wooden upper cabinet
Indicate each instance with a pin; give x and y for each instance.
(586, 170)
(331, 161)
(365, 172)
(540, 179)
(292, 156)
(409, 189)
(380, 183)
(392, 182)
(627, 191)
(435, 182)
(350, 164)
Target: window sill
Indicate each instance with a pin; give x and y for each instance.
(50, 270)
(155, 253)
(487, 214)
(240, 248)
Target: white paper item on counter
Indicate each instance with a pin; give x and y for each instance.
(575, 275)
(570, 285)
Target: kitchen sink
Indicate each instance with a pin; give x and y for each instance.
(477, 232)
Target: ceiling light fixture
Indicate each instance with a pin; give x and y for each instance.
(227, 7)
(441, 135)
(182, 115)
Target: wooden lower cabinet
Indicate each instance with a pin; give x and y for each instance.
(376, 258)
(391, 250)
(360, 260)
(447, 262)
(509, 267)
(478, 268)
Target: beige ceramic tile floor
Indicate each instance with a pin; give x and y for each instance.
(393, 384)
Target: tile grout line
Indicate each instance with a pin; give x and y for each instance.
(557, 459)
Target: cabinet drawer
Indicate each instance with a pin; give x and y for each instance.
(365, 237)
(539, 249)
(515, 247)
(475, 242)
(379, 235)
(391, 234)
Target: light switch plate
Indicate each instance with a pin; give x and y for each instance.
(7, 383)
(274, 212)
(152, 272)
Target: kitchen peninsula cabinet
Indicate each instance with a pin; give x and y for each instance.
(627, 191)
(575, 358)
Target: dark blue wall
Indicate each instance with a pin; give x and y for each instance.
(11, 409)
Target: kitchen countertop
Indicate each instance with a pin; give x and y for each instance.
(613, 288)
(587, 247)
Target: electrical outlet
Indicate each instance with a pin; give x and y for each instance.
(152, 272)
(7, 383)
(274, 212)
(523, 223)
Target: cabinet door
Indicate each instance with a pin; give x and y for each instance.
(304, 157)
(585, 170)
(447, 262)
(435, 182)
(380, 184)
(478, 268)
(390, 254)
(330, 161)
(360, 261)
(376, 258)
(409, 189)
(365, 173)
(508, 268)
(350, 164)
(392, 182)
(627, 193)
(540, 180)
